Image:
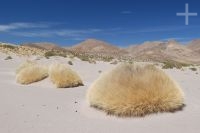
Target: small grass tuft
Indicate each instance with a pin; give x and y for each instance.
(193, 69)
(8, 58)
(70, 63)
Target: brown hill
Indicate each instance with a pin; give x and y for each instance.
(97, 47)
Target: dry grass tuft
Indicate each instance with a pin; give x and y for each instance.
(64, 77)
(193, 69)
(8, 58)
(26, 64)
(70, 62)
(31, 73)
(131, 90)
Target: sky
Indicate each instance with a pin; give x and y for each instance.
(119, 22)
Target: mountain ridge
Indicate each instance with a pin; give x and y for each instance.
(148, 51)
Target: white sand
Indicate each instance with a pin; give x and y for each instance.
(41, 108)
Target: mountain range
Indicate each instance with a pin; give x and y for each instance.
(148, 51)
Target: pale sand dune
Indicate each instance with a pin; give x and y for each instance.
(41, 108)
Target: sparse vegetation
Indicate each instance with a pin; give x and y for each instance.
(193, 69)
(130, 62)
(174, 64)
(93, 58)
(84, 58)
(92, 61)
(8, 58)
(54, 53)
(107, 58)
(7, 46)
(49, 54)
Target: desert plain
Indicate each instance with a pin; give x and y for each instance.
(42, 108)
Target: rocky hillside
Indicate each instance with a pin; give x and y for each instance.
(194, 45)
(161, 51)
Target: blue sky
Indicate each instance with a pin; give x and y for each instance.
(120, 22)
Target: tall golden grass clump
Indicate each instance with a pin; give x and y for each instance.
(29, 73)
(63, 77)
(132, 90)
(25, 64)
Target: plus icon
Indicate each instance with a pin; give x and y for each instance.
(187, 14)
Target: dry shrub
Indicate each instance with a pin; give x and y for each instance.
(70, 63)
(131, 90)
(8, 58)
(63, 77)
(26, 64)
(31, 73)
(115, 62)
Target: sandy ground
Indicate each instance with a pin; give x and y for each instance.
(41, 108)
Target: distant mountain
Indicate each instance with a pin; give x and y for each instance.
(97, 47)
(145, 48)
(179, 52)
(161, 51)
(43, 45)
(194, 45)
(148, 51)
